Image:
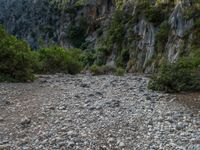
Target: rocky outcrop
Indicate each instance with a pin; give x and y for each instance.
(179, 27)
(147, 43)
(48, 22)
(31, 20)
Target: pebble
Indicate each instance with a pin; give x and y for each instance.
(5, 147)
(94, 112)
(180, 126)
(1, 119)
(71, 144)
(121, 144)
(110, 140)
(25, 121)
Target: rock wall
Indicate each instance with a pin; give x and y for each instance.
(44, 22)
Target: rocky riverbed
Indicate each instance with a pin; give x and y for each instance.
(84, 112)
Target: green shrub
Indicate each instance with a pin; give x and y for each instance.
(105, 51)
(181, 76)
(37, 64)
(123, 58)
(162, 36)
(96, 70)
(120, 71)
(120, 62)
(100, 70)
(7, 78)
(193, 11)
(155, 14)
(101, 56)
(196, 34)
(15, 58)
(106, 69)
(77, 32)
(75, 64)
(115, 30)
(56, 59)
(76, 35)
(89, 57)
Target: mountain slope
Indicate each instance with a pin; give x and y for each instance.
(137, 35)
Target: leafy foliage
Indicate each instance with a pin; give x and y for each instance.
(88, 57)
(106, 69)
(15, 58)
(115, 31)
(180, 76)
(76, 33)
(119, 71)
(155, 14)
(100, 70)
(162, 36)
(196, 31)
(56, 59)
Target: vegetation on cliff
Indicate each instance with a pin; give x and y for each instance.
(15, 59)
(183, 75)
(58, 60)
(19, 63)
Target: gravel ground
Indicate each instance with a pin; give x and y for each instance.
(83, 112)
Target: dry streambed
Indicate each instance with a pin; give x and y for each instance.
(86, 112)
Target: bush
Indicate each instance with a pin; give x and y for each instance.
(106, 69)
(15, 59)
(96, 70)
(162, 36)
(7, 78)
(119, 71)
(100, 70)
(37, 64)
(115, 30)
(154, 15)
(193, 11)
(125, 55)
(196, 34)
(77, 33)
(56, 59)
(88, 57)
(181, 76)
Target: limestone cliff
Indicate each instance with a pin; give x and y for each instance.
(138, 35)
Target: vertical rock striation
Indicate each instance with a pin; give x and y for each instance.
(77, 23)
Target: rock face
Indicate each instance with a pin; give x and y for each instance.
(147, 42)
(72, 23)
(180, 26)
(46, 22)
(30, 20)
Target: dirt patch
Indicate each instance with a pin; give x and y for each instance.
(190, 99)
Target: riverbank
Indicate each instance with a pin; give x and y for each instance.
(85, 112)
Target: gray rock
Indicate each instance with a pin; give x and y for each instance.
(121, 144)
(70, 144)
(1, 119)
(180, 126)
(63, 107)
(25, 122)
(111, 140)
(85, 85)
(120, 118)
(194, 147)
(148, 98)
(5, 147)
